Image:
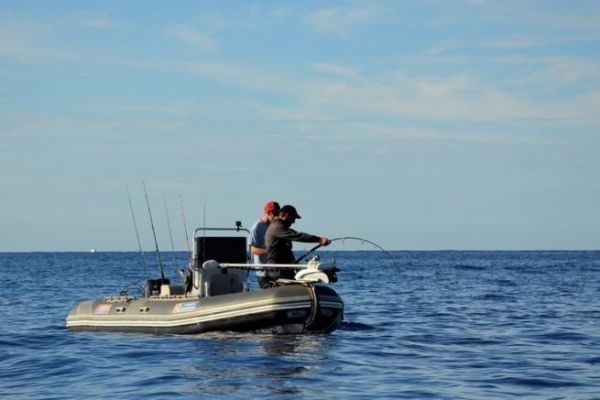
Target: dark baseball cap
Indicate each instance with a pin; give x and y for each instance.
(291, 210)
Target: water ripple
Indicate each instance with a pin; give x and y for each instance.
(446, 325)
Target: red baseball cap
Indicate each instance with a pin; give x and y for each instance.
(272, 207)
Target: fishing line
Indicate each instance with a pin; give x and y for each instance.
(387, 253)
(162, 275)
(362, 240)
(137, 234)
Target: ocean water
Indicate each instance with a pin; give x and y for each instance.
(435, 325)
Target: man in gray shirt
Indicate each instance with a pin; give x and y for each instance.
(279, 239)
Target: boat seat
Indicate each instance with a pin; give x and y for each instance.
(217, 281)
(172, 290)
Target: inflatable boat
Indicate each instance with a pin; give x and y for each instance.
(214, 296)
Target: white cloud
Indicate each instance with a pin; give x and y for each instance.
(553, 72)
(242, 76)
(336, 69)
(343, 20)
(192, 37)
(567, 71)
(277, 12)
(343, 93)
(25, 41)
(105, 22)
(514, 42)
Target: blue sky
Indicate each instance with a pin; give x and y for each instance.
(415, 124)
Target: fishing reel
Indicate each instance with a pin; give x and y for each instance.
(318, 272)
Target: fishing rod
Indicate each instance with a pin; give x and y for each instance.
(349, 238)
(162, 274)
(187, 238)
(169, 224)
(137, 234)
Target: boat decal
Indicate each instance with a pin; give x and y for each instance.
(185, 307)
(102, 309)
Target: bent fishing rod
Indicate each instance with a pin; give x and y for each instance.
(362, 240)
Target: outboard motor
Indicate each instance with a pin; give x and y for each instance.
(332, 274)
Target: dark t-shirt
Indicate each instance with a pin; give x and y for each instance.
(279, 242)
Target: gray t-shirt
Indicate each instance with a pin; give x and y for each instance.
(279, 239)
(257, 239)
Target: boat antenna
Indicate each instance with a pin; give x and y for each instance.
(187, 238)
(169, 224)
(162, 274)
(137, 234)
(352, 238)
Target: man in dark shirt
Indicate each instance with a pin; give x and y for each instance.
(279, 239)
